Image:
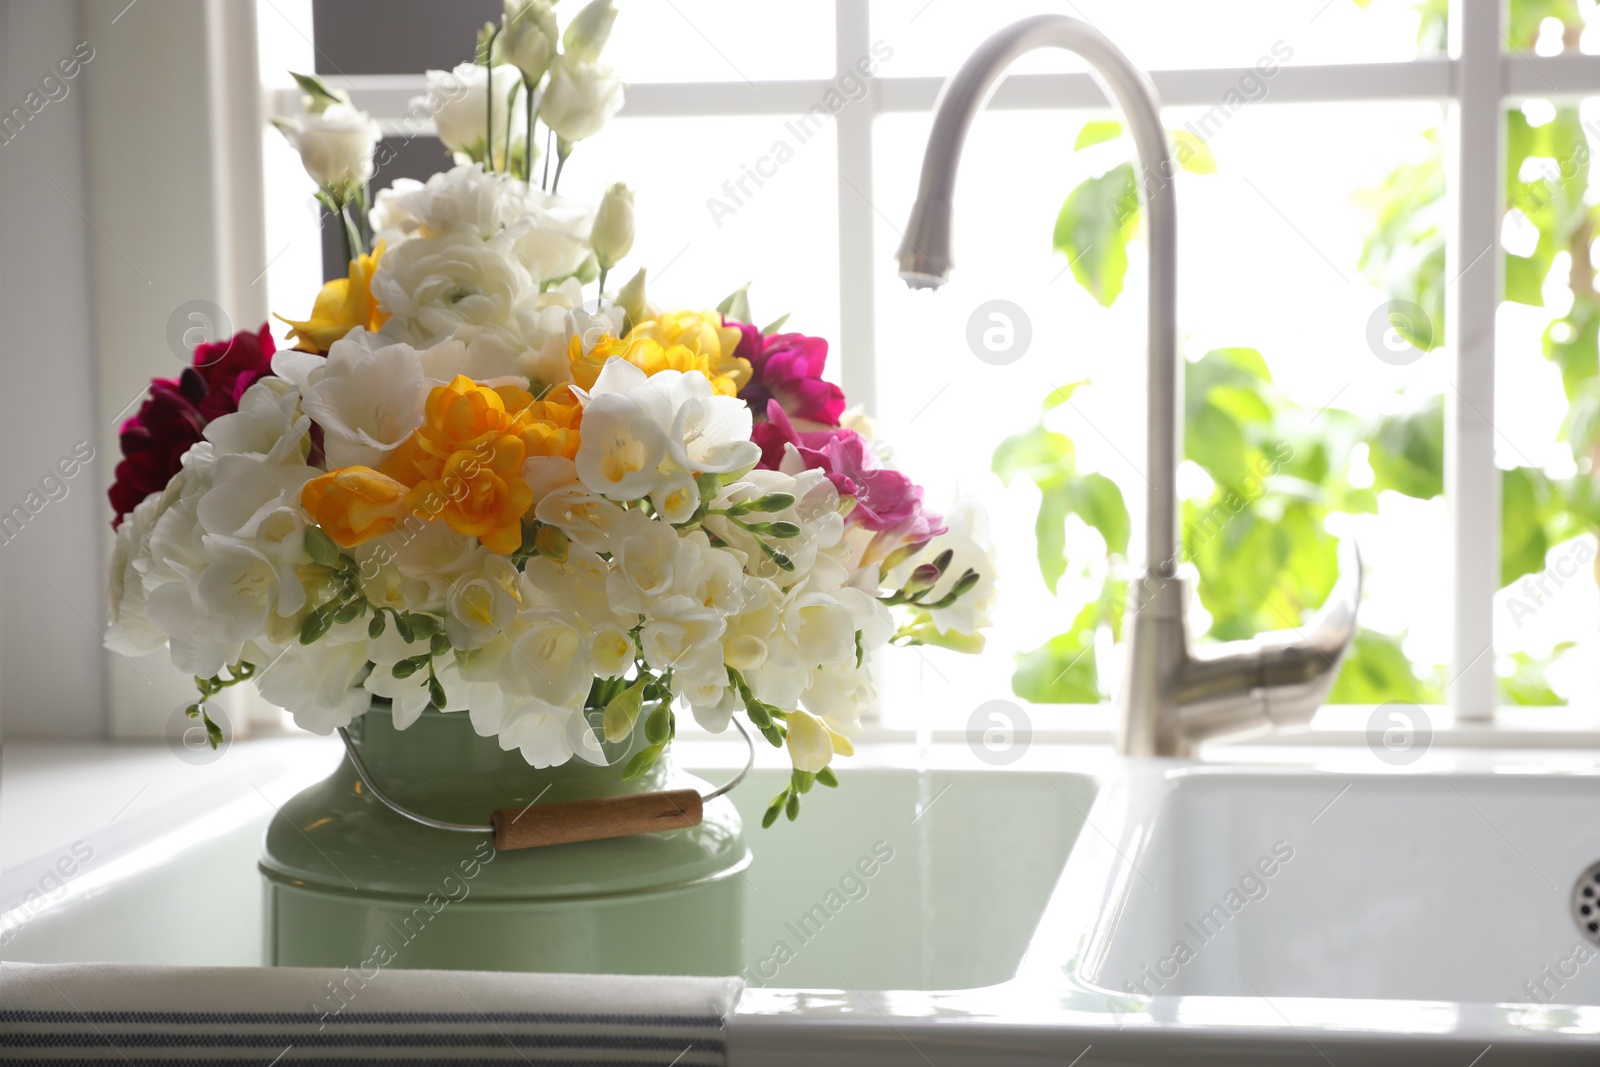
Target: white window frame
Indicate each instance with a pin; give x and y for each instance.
(1477, 80)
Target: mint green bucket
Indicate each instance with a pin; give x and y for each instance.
(350, 883)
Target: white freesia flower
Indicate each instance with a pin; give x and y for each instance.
(839, 693)
(703, 432)
(810, 746)
(578, 584)
(459, 101)
(580, 98)
(409, 696)
(268, 422)
(677, 497)
(967, 536)
(584, 516)
(685, 636)
(254, 540)
(135, 569)
(547, 657)
(622, 448)
(335, 145)
(483, 601)
(821, 627)
(453, 287)
(647, 557)
(320, 683)
(368, 399)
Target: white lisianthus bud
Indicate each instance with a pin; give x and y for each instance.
(590, 29)
(335, 145)
(581, 97)
(458, 100)
(318, 95)
(528, 39)
(612, 237)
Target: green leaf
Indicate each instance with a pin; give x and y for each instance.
(1192, 153)
(1097, 501)
(736, 305)
(1040, 454)
(775, 325)
(1407, 452)
(1050, 532)
(1097, 132)
(1093, 229)
(1063, 669)
(1573, 344)
(1527, 684)
(1377, 670)
(1061, 394)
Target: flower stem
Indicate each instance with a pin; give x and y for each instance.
(527, 153)
(352, 241)
(488, 96)
(544, 182)
(561, 162)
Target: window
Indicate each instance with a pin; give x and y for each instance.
(1283, 250)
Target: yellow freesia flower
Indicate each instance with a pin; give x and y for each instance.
(703, 334)
(648, 355)
(355, 504)
(341, 306)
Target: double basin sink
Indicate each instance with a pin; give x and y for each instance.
(1324, 909)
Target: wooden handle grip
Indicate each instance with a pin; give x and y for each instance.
(592, 820)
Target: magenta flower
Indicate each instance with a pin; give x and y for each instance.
(787, 367)
(886, 500)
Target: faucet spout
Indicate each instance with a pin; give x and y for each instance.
(925, 258)
(1171, 697)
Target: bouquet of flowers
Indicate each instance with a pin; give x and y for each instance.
(470, 488)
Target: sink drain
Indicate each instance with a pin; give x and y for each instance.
(1586, 902)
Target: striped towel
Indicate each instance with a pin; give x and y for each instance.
(103, 1013)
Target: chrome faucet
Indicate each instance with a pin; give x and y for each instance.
(1173, 696)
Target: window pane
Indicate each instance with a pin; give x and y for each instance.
(397, 36)
(1549, 29)
(699, 241)
(1546, 397)
(934, 36)
(723, 40)
(1270, 251)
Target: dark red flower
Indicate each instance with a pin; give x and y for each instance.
(175, 414)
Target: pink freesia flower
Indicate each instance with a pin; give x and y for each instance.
(787, 367)
(886, 500)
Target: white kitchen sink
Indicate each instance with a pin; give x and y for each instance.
(960, 881)
(1027, 915)
(1442, 887)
